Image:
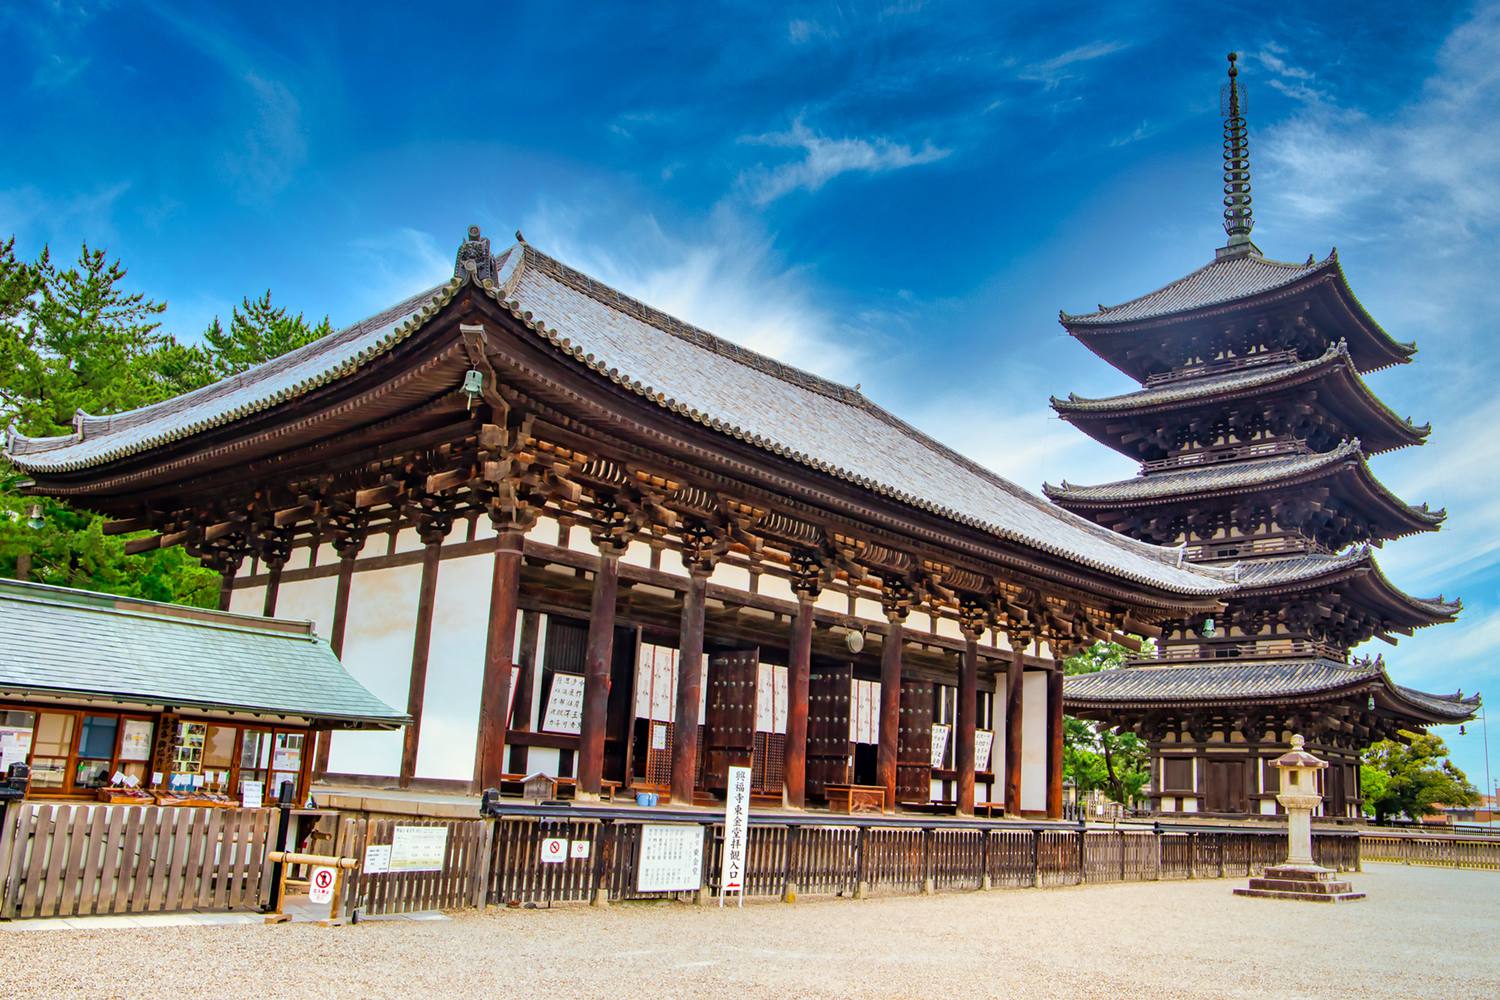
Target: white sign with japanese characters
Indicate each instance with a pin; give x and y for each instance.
(671, 858)
(564, 705)
(984, 741)
(418, 848)
(940, 733)
(736, 833)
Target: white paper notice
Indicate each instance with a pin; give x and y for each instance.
(671, 858)
(554, 850)
(252, 794)
(377, 859)
(564, 705)
(418, 848)
(984, 741)
(940, 733)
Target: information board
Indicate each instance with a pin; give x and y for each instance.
(564, 705)
(984, 741)
(940, 731)
(418, 848)
(671, 858)
(252, 794)
(736, 833)
(377, 859)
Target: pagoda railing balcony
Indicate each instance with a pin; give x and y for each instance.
(1219, 366)
(1226, 453)
(1280, 648)
(1234, 549)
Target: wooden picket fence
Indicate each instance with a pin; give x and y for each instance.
(1478, 854)
(462, 881)
(78, 860)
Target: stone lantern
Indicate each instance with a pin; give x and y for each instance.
(1299, 877)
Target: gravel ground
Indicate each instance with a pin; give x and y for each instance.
(1422, 932)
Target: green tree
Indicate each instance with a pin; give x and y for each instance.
(1409, 778)
(77, 339)
(1095, 756)
(258, 332)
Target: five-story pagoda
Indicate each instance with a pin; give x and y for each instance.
(1253, 427)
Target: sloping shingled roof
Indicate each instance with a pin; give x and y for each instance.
(1223, 280)
(1234, 384)
(746, 395)
(98, 646)
(1240, 475)
(1283, 571)
(1242, 681)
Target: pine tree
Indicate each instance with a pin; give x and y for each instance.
(258, 332)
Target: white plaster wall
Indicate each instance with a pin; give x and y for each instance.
(771, 586)
(250, 600)
(637, 554)
(919, 621)
(455, 668)
(833, 600)
(543, 759)
(869, 609)
(1268, 807)
(1034, 740)
(1168, 804)
(377, 651)
(407, 540)
(949, 628)
(311, 600)
(727, 575)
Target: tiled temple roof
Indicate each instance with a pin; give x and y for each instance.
(683, 369)
(1291, 571)
(1241, 682)
(71, 643)
(1241, 476)
(1223, 280)
(1237, 384)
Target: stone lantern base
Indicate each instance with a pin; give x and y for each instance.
(1305, 882)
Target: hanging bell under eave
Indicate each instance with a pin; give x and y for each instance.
(473, 385)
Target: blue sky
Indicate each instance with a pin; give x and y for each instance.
(898, 195)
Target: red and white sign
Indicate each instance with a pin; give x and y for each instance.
(554, 850)
(320, 886)
(580, 850)
(736, 834)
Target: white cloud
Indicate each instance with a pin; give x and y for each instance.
(271, 148)
(825, 158)
(395, 264)
(1052, 72)
(725, 277)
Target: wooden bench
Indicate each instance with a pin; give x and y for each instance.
(852, 799)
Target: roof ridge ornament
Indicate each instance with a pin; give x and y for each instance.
(1238, 216)
(474, 258)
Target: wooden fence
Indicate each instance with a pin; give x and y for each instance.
(460, 878)
(77, 860)
(1480, 854)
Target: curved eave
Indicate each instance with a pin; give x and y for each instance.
(1347, 462)
(1369, 587)
(1376, 424)
(1374, 349)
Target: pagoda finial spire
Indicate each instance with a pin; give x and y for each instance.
(1238, 219)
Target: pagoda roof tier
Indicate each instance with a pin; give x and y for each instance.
(1361, 578)
(1341, 392)
(1278, 682)
(1346, 464)
(779, 423)
(1237, 289)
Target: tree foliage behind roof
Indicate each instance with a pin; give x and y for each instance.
(77, 338)
(1411, 778)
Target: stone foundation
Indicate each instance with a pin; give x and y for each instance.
(1304, 882)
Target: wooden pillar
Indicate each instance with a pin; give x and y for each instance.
(1013, 727)
(505, 590)
(273, 588)
(348, 550)
(1055, 743)
(890, 710)
(596, 674)
(968, 711)
(689, 684)
(798, 681)
(416, 685)
(520, 716)
(226, 586)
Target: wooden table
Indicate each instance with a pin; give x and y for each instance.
(852, 799)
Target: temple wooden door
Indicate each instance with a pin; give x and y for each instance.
(914, 743)
(829, 692)
(729, 723)
(1224, 786)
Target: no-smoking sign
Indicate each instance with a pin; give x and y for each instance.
(320, 886)
(554, 850)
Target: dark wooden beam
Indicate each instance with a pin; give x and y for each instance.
(968, 712)
(798, 682)
(890, 710)
(1013, 727)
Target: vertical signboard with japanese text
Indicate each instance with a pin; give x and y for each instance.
(736, 833)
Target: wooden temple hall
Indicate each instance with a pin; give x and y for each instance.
(1253, 426)
(566, 533)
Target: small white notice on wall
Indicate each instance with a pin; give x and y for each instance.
(418, 848)
(564, 705)
(671, 858)
(377, 859)
(940, 733)
(580, 850)
(984, 741)
(252, 794)
(320, 885)
(658, 736)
